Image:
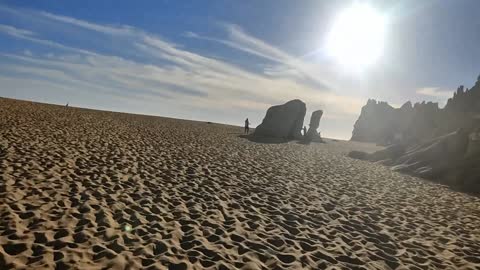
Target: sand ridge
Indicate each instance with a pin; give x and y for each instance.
(197, 196)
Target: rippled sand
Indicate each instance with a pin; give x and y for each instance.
(84, 189)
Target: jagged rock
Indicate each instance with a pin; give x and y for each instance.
(387, 154)
(423, 123)
(439, 144)
(407, 106)
(312, 134)
(374, 123)
(439, 153)
(448, 159)
(283, 121)
(382, 124)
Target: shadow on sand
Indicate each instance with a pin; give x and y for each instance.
(304, 142)
(271, 140)
(266, 140)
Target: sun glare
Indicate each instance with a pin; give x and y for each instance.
(357, 37)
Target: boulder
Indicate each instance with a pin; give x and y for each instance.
(312, 134)
(283, 121)
(434, 159)
(390, 153)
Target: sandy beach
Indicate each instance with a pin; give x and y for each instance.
(86, 189)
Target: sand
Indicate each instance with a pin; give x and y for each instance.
(85, 189)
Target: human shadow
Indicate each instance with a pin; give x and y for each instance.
(274, 140)
(264, 140)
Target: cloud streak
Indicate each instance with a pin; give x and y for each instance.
(289, 65)
(16, 32)
(30, 36)
(434, 92)
(111, 30)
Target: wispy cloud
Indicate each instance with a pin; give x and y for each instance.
(434, 92)
(30, 36)
(112, 30)
(288, 65)
(16, 32)
(176, 77)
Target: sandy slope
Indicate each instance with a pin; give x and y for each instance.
(198, 196)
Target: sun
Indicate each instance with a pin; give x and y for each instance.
(356, 39)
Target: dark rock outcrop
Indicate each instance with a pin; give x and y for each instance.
(312, 134)
(473, 148)
(382, 124)
(373, 125)
(438, 144)
(283, 121)
(450, 159)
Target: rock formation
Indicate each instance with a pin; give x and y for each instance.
(382, 124)
(373, 125)
(439, 144)
(450, 159)
(283, 121)
(312, 134)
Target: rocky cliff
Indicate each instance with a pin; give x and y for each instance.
(383, 124)
(438, 144)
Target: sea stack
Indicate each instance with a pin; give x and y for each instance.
(312, 134)
(283, 121)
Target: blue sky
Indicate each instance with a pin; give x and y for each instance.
(223, 60)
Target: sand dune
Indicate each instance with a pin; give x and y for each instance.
(85, 189)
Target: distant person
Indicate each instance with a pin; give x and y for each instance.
(304, 131)
(66, 106)
(247, 126)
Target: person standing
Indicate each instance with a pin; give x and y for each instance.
(247, 126)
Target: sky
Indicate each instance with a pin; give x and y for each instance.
(223, 61)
